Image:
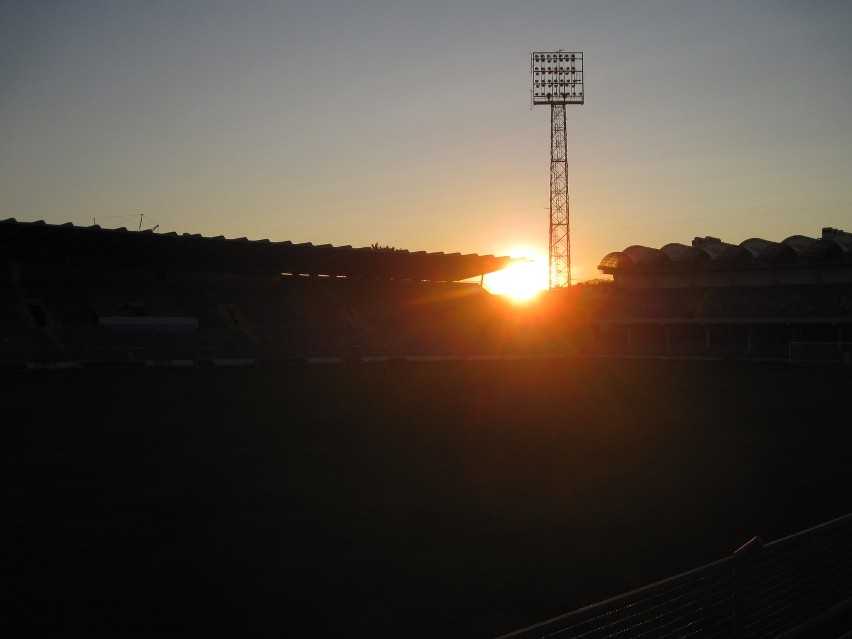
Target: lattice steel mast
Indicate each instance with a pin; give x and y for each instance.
(558, 81)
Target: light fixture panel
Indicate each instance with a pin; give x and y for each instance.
(557, 77)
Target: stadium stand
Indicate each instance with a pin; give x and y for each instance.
(754, 300)
(88, 296)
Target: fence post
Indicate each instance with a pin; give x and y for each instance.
(741, 554)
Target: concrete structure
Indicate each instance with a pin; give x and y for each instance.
(757, 299)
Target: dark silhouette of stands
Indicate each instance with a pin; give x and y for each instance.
(190, 317)
(737, 322)
(758, 299)
(142, 317)
(84, 295)
(89, 296)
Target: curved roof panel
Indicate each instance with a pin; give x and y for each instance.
(768, 251)
(94, 245)
(615, 261)
(722, 252)
(646, 257)
(685, 255)
(841, 238)
(814, 249)
(710, 253)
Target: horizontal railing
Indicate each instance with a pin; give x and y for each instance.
(819, 352)
(778, 589)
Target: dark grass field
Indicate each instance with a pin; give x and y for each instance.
(396, 500)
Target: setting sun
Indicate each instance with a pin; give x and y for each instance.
(520, 282)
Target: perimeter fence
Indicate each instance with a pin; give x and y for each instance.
(819, 353)
(779, 589)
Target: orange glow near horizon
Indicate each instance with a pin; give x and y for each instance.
(520, 282)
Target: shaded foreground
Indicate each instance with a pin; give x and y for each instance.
(417, 500)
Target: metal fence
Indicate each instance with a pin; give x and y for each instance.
(778, 589)
(819, 353)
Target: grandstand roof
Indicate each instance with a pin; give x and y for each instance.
(712, 253)
(67, 243)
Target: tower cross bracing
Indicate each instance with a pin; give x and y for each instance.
(558, 81)
(559, 261)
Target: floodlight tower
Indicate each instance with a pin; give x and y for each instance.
(558, 81)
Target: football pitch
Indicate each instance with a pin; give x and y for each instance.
(451, 499)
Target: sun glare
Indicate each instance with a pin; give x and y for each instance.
(520, 282)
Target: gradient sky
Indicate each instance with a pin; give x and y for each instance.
(408, 122)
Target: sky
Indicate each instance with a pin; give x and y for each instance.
(408, 123)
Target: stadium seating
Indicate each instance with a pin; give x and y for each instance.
(103, 320)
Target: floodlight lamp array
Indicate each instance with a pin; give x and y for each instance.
(557, 77)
